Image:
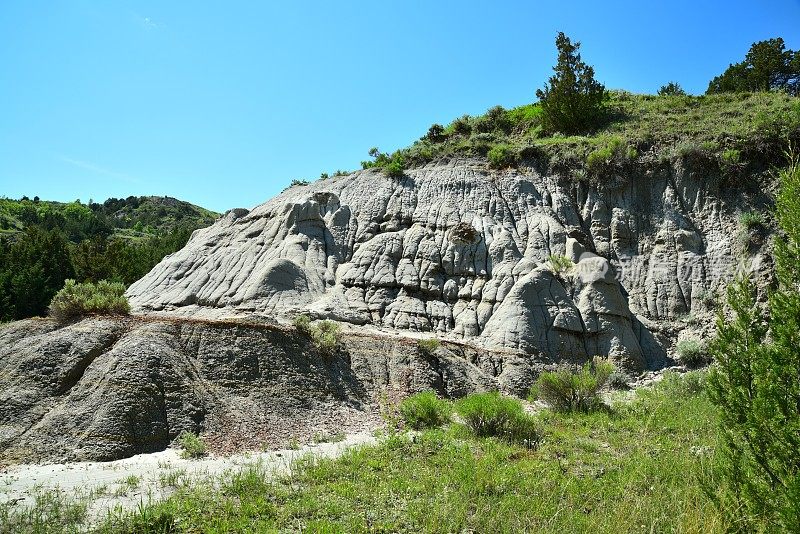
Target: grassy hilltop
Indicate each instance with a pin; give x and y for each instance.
(730, 130)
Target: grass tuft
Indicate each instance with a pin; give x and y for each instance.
(567, 390)
(192, 446)
(425, 410)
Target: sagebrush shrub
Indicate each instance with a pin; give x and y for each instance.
(692, 352)
(76, 300)
(570, 390)
(192, 446)
(303, 324)
(324, 334)
(425, 410)
(492, 414)
(428, 346)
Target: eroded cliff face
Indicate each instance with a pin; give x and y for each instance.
(452, 250)
(463, 251)
(108, 388)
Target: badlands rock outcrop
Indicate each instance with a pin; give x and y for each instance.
(453, 250)
(462, 251)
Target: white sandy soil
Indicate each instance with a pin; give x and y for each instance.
(147, 477)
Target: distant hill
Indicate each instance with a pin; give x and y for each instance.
(131, 217)
(43, 243)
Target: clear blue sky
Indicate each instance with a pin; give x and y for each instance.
(223, 104)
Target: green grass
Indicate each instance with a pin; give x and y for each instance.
(638, 468)
(728, 130)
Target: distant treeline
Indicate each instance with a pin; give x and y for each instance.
(45, 243)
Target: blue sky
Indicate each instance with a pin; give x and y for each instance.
(223, 103)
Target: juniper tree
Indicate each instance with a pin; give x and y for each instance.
(756, 382)
(572, 100)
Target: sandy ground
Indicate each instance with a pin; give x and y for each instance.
(147, 477)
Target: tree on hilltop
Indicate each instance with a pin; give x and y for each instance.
(767, 66)
(572, 100)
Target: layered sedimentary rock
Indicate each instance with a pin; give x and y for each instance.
(463, 251)
(471, 256)
(107, 388)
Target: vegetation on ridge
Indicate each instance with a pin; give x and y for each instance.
(578, 128)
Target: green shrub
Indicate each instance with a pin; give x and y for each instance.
(300, 182)
(425, 410)
(77, 300)
(303, 324)
(461, 126)
(567, 390)
(396, 167)
(428, 346)
(559, 265)
(683, 384)
(692, 353)
(492, 414)
(324, 334)
(436, 134)
(496, 119)
(524, 118)
(613, 152)
(751, 219)
(671, 89)
(501, 156)
(391, 164)
(731, 157)
(192, 446)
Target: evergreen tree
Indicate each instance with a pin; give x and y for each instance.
(767, 66)
(572, 101)
(756, 383)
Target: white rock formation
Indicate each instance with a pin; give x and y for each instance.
(463, 251)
